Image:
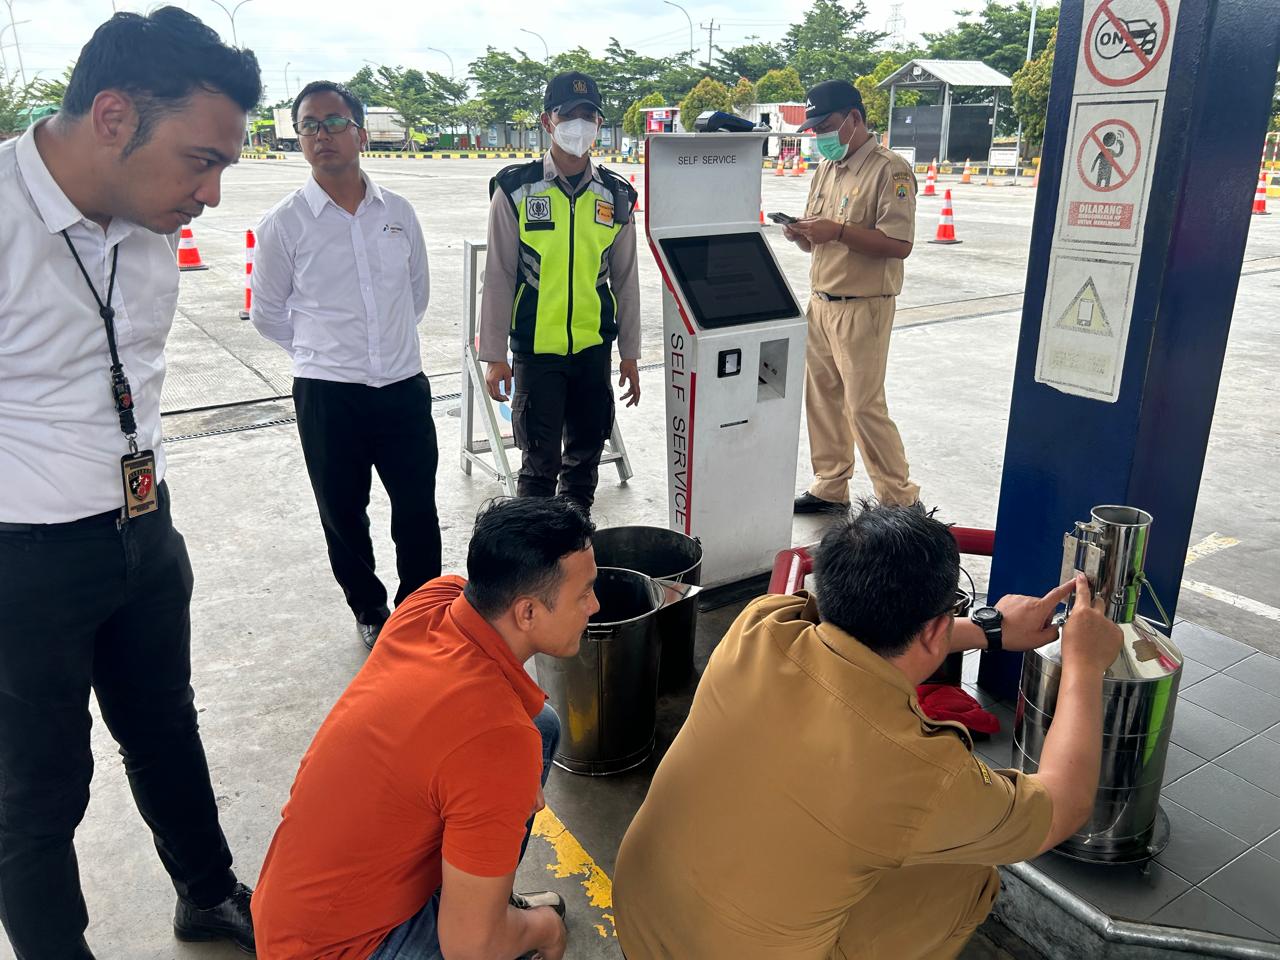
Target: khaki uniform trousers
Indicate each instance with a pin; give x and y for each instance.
(922, 912)
(845, 361)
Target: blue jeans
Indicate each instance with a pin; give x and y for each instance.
(418, 938)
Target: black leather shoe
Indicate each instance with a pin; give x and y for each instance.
(229, 920)
(530, 901)
(808, 503)
(368, 633)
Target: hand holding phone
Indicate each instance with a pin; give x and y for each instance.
(783, 218)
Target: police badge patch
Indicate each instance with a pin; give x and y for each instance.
(604, 213)
(901, 191)
(537, 209)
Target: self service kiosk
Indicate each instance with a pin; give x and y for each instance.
(734, 340)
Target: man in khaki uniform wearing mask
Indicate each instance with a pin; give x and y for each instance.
(859, 225)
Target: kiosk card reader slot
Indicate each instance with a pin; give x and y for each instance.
(728, 313)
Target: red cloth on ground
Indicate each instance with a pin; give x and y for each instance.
(942, 701)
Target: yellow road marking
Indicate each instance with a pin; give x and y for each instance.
(572, 860)
(1213, 543)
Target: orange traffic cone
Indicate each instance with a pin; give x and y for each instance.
(778, 170)
(762, 216)
(797, 167)
(946, 223)
(1260, 197)
(249, 243)
(1035, 181)
(188, 253)
(967, 176)
(639, 206)
(931, 180)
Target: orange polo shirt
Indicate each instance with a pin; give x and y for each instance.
(430, 752)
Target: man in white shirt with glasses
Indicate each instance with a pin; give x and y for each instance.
(340, 282)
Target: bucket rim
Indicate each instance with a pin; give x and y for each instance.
(679, 574)
(656, 593)
(1113, 508)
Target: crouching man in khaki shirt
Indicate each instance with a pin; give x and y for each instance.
(810, 810)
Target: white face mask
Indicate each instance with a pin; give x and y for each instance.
(574, 136)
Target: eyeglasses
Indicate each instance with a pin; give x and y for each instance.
(957, 607)
(309, 128)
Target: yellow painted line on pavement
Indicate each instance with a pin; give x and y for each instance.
(1213, 543)
(572, 860)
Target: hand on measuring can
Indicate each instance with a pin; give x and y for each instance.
(1089, 638)
(497, 377)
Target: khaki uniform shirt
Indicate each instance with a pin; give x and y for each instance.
(874, 188)
(805, 771)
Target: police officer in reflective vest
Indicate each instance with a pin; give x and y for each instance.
(560, 287)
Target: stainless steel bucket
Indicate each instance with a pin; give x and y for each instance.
(664, 555)
(1139, 692)
(607, 695)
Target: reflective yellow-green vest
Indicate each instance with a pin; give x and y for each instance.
(563, 300)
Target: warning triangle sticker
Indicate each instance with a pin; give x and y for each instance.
(1085, 313)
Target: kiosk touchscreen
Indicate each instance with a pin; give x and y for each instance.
(734, 339)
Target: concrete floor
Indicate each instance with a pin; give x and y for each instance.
(274, 644)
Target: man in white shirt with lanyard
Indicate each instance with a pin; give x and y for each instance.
(95, 583)
(340, 282)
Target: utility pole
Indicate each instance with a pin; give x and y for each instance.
(710, 28)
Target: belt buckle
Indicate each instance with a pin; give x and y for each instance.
(825, 297)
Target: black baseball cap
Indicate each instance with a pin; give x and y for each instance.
(828, 97)
(569, 90)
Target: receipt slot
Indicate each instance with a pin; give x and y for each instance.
(734, 340)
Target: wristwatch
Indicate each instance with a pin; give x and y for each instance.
(991, 622)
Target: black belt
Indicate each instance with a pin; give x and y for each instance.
(834, 298)
(108, 518)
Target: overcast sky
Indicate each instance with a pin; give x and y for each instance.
(329, 39)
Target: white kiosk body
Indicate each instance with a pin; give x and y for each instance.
(734, 343)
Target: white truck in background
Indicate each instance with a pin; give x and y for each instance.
(383, 125)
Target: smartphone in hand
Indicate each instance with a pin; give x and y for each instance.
(782, 218)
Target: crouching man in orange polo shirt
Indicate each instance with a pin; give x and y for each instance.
(412, 806)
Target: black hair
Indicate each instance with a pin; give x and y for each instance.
(516, 549)
(328, 86)
(159, 60)
(885, 571)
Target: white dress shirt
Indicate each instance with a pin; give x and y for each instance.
(342, 293)
(60, 439)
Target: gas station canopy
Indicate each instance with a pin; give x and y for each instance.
(920, 74)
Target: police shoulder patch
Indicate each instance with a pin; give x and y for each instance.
(903, 176)
(901, 191)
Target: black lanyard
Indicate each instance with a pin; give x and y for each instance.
(120, 390)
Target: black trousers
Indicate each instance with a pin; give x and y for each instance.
(562, 414)
(347, 430)
(87, 604)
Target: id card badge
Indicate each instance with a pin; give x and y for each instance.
(141, 492)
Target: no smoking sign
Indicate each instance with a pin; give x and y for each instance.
(1126, 43)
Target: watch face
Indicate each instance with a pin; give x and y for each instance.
(985, 615)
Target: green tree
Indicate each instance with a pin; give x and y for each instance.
(473, 115)
(507, 84)
(751, 60)
(1031, 92)
(407, 93)
(743, 95)
(633, 121)
(525, 120)
(830, 44)
(365, 87)
(780, 86)
(997, 36)
(15, 101)
(709, 94)
(52, 91)
(876, 100)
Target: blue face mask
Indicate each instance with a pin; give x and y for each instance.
(829, 145)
